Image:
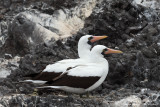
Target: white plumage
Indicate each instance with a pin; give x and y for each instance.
(84, 46)
(83, 53)
(97, 69)
(91, 69)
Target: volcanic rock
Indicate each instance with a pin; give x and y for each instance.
(132, 28)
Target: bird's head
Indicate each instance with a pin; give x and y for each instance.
(101, 50)
(89, 39)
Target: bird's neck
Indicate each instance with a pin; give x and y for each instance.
(83, 50)
(97, 58)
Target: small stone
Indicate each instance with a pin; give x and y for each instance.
(149, 52)
(7, 3)
(131, 101)
(105, 103)
(8, 56)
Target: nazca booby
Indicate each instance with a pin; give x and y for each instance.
(54, 70)
(86, 77)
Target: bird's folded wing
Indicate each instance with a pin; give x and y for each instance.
(78, 77)
(45, 76)
(74, 81)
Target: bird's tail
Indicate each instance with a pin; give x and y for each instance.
(33, 81)
(22, 82)
(56, 87)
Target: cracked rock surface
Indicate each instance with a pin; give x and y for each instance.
(35, 34)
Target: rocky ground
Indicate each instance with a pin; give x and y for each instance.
(34, 34)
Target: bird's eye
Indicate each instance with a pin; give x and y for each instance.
(90, 38)
(104, 50)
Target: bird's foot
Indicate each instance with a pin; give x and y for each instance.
(62, 94)
(81, 95)
(35, 92)
(87, 95)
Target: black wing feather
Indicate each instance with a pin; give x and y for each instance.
(74, 81)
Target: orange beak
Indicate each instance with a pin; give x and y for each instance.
(109, 51)
(96, 38)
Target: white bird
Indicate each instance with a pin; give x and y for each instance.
(86, 77)
(53, 70)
